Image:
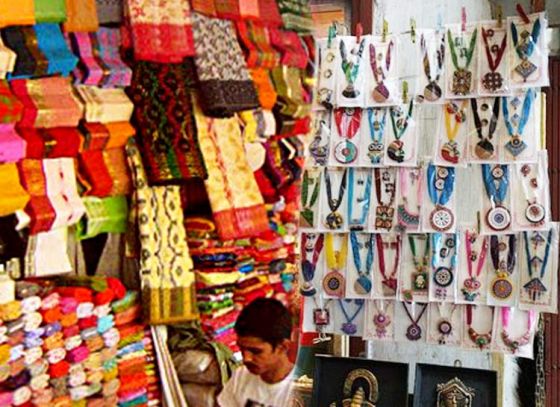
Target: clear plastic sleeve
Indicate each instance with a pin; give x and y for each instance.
(409, 199)
(485, 127)
(401, 147)
(473, 267)
(318, 315)
(387, 266)
(379, 323)
(445, 324)
(349, 317)
(461, 61)
(384, 201)
(350, 71)
(360, 190)
(310, 198)
(503, 279)
(414, 276)
(319, 147)
(496, 215)
(359, 271)
(329, 65)
(334, 279)
(438, 210)
(493, 69)
(452, 134)
(334, 199)
(411, 322)
(515, 331)
(382, 71)
(375, 126)
(443, 271)
(478, 333)
(431, 78)
(346, 132)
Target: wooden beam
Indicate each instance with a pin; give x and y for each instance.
(362, 12)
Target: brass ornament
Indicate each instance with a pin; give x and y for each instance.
(360, 396)
(454, 393)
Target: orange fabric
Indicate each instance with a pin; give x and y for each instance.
(265, 88)
(20, 12)
(81, 16)
(14, 197)
(119, 133)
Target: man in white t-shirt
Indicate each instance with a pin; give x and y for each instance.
(263, 328)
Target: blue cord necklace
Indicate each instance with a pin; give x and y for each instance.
(349, 327)
(498, 218)
(376, 131)
(516, 145)
(443, 276)
(525, 48)
(535, 287)
(363, 283)
(441, 181)
(361, 201)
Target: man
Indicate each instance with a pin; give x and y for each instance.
(263, 328)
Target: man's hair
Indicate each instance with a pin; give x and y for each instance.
(266, 319)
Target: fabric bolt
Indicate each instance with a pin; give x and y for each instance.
(94, 174)
(12, 146)
(289, 44)
(95, 344)
(249, 9)
(165, 124)
(157, 38)
(30, 61)
(30, 304)
(11, 108)
(32, 320)
(105, 105)
(14, 196)
(102, 299)
(109, 11)
(17, 13)
(53, 46)
(42, 397)
(67, 320)
(107, 215)
(85, 310)
(115, 161)
(119, 133)
(50, 11)
(108, 42)
(128, 316)
(81, 16)
(224, 83)
(123, 303)
(7, 60)
(68, 304)
(236, 202)
(39, 382)
(79, 293)
(47, 253)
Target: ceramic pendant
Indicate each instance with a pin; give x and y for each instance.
(414, 332)
(318, 152)
(362, 286)
(441, 219)
(502, 288)
(445, 329)
(443, 277)
(462, 82)
(450, 152)
(470, 289)
(321, 316)
(334, 221)
(375, 152)
(349, 328)
(535, 213)
(535, 288)
(525, 69)
(380, 94)
(498, 218)
(333, 284)
(432, 92)
(391, 284)
(345, 152)
(381, 322)
(484, 149)
(395, 151)
(516, 146)
(492, 81)
(384, 217)
(350, 92)
(420, 281)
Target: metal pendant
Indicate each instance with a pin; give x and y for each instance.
(334, 220)
(356, 384)
(462, 82)
(535, 288)
(381, 321)
(384, 217)
(321, 316)
(432, 92)
(395, 151)
(362, 286)
(375, 152)
(492, 81)
(380, 94)
(441, 219)
(333, 284)
(414, 332)
(443, 276)
(484, 149)
(345, 152)
(454, 393)
(471, 287)
(535, 213)
(525, 69)
(498, 218)
(450, 152)
(516, 146)
(502, 288)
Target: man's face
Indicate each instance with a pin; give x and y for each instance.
(259, 356)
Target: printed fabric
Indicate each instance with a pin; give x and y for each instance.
(258, 51)
(109, 11)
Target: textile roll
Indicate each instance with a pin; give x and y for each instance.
(166, 129)
(108, 215)
(105, 105)
(157, 38)
(7, 60)
(54, 47)
(50, 11)
(81, 16)
(11, 108)
(12, 146)
(109, 11)
(17, 13)
(115, 161)
(224, 83)
(30, 61)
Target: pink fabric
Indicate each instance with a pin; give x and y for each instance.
(12, 146)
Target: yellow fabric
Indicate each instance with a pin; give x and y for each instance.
(81, 16)
(12, 196)
(336, 259)
(17, 12)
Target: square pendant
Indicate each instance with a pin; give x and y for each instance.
(526, 68)
(462, 81)
(321, 316)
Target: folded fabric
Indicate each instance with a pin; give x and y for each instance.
(227, 9)
(107, 215)
(17, 13)
(14, 196)
(167, 134)
(115, 161)
(54, 47)
(109, 11)
(7, 60)
(293, 100)
(94, 174)
(255, 41)
(296, 15)
(12, 146)
(128, 316)
(224, 83)
(94, 136)
(124, 303)
(47, 253)
(161, 31)
(91, 69)
(51, 143)
(249, 9)
(109, 42)
(48, 102)
(30, 61)
(204, 7)
(290, 45)
(269, 13)
(11, 108)
(105, 105)
(119, 133)
(50, 11)
(81, 16)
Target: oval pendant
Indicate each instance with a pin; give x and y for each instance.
(395, 151)
(450, 152)
(380, 94)
(535, 213)
(498, 218)
(502, 288)
(443, 277)
(349, 328)
(441, 219)
(445, 327)
(414, 332)
(334, 220)
(432, 92)
(484, 149)
(345, 152)
(333, 284)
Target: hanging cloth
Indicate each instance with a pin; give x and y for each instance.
(109, 11)
(81, 16)
(269, 13)
(166, 129)
(293, 100)
(50, 11)
(249, 9)
(54, 47)
(11, 109)
(30, 61)
(7, 60)
(265, 88)
(21, 12)
(227, 9)
(290, 45)
(255, 40)
(206, 7)
(296, 15)
(236, 201)
(14, 197)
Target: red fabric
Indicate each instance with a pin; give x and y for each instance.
(94, 136)
(269, 13)
(61, 142)
(291, 47)
(104, 297)
(89, 322)
(59, 369)
(117, 286)
(70, 331)
(95, 174)
(51, 315)
(176, 42)
(228, 9)
(82, 294)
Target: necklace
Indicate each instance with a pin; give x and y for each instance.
(484, 148)
(349, 327)
(535, 287)
(348, 124)
(390, 281)
(516, 145)
(399, 124)
(443, 276)
(441, 181)
(319, 150)
(308, 212)
(432, 91)
(414, 331)
(381, 318)
(483, 341)
(376, 130)
(384, 212)
(450, 150)
(493, 81)
(334, 220)
(363, 201)
(471, 285)
(334, 282)
(535, 213)
(311, 244)
(498, 217)
(420, 275)
(514, 344)
(445, 324)
(362, 285)
(380, 92)
(351, 68)
(462, 77)
(321, 315)
(525, 47)
(405, 217)
(502, 287)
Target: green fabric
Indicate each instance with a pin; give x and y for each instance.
(50, 11)
(97, 284)
(103, 215)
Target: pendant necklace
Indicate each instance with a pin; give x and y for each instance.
(414, 331)
(307, 215)
(420, 279)
(471, 285)
(381, 318)
(524, 47)
(334, 282)
(351, 68)
(399, 124)
(319, 147)
(443, 276)
(362, 201)
(362, 285)
(389, 282)
(502, 287)
(406, 218)
(384, 212)
(493, 81)
(535, 288)
(348, 124)
(321, 315)
(311, 244)
(334, 220)
(496, 181)
(462, 77)
(483, 341)
(441, 181)
(432, 91)
(516, 145)
(514, 344)
(376, 130)
(380, 92)
(484, 148)
(349, 327)
(445, 324)
(450, 150)
(535, 213)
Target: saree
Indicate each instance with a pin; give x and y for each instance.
(50, 11)
(105, 105)
(20, 12)
(94, 174)
(108, 43)
(11, 108)
(12, 146)
(81, 16)
(103, 215)
(289, 44)
(14, 197)
(7, 60)
(265, 88)
(236, 201)
(30, 61)
(115, 161)
(53, 46)
(296, 15)
(258, 51)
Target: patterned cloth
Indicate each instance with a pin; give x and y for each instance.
(109, 42)
(225, 86)
(228, 9)
(94, 174)
(11, 108)
(265, 88)
(166, 130)
(103, 105)
(161, 30)
(258, 52)
(289, 44)
(235, 198)
(81, 16)
(50, 11)
(205, 7)
(52, 45)
(249, 9)
(30, 61)
(296, 15)
(21, 12)
(115, 161)
(109, 11)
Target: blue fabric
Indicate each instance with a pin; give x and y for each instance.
(54, 47)
(105, 323)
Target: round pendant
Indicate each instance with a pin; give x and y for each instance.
(450, 152)
(381, 320)
(345, 152)
(375, 152)
(380, 94)
(484, 149)
(362, 286)
(333, 284)
(492, 81)
(441, 219)
(413, 332)
(307, 290)
(502, 288)
(443, 276)
(498, 218)
(334, 220)
(432, 92)
(445, 327)
(471, 284)
(395, 151)
(535, 213)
